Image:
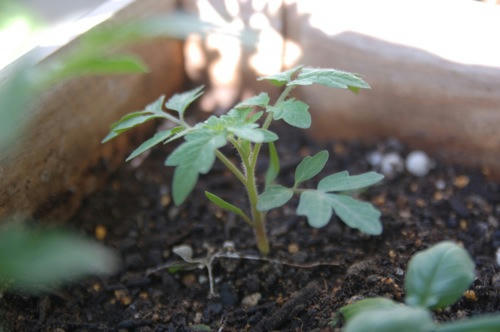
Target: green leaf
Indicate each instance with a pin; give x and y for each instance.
(331, 78)
(485, 323)
(156, 139)
(438, 276)
(255, 116)
(178, 132)
(35, 259)
(357, 214)
(224, 204)
(397, 319)
(281, 78)
(310, 166)
(127, 122)
(316, 206)
(261, 100)
(274, 196)
(351, 310)
(251, 133)
(294, 112)
(274, 164)
(342, 181)
(156, 106)
(96, 64)
(195, 155)
(179, 102)
(183, 183)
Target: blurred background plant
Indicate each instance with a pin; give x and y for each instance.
(35, 259)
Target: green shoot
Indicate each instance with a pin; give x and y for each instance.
(246, 128)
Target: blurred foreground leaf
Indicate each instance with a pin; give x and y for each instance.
(34, 259)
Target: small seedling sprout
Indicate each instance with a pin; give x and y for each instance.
(240, 127)
(435, 279)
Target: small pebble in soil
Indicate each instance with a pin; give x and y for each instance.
(202, 279)
(418, 163)
(495, 281)
(100, 232)
(498, 256)
(440, 184)
(293, 248)
(374, 158)
(251, 300)
(470, 295)
(391, 164)
(461, 181)
(189, 280)
(496, 238)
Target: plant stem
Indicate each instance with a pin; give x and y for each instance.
(267, 123)
(232, 167)
(259, 218)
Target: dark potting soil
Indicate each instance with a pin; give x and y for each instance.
(143, 225)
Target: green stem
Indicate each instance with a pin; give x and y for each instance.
(267, 123)
(259, 218)
(232, 167)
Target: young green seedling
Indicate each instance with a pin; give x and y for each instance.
(240, 127)
(436, 278)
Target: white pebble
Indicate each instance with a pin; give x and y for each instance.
(440, 184)
(418, 163)
(498, 256)
(251, 300)
(202, 279)
(391, 164)
(374, 158)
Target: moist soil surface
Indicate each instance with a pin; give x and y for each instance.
(313, 272)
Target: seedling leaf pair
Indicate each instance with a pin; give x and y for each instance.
(436, 278)
(318, 205)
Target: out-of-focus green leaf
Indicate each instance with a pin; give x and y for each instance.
(359, 307)
(34, 260)
(274, 164)
(330, 77)
(437, 277)
(310, 167)
(281, 78)
(344, 182)
(17, 92)
(485, 323)
(274, 196)
(397, 319)
(96, 65)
